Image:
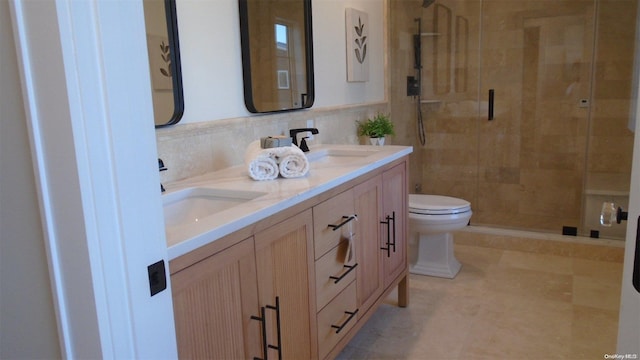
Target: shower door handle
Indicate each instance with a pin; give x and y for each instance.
(491, 98)
(635, 279)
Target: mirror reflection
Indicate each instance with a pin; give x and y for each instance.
(164, 61)
(277, 54)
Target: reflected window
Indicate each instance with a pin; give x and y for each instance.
(277, 54)
(282, 35)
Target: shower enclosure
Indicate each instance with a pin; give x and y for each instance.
(525, 107)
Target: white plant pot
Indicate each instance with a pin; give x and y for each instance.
(377, 141)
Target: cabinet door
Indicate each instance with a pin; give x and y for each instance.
(394, 190)
(213, 302)
(368, 207)
(283, 255)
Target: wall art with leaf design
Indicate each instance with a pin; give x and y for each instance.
(357, 36)
(160, 62)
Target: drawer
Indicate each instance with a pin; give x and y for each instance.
(326, 216)
(331, 274)
(336, 319)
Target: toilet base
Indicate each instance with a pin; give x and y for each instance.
(435, 256)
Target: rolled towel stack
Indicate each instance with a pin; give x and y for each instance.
(267, 164)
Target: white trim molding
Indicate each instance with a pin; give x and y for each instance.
(88, 104)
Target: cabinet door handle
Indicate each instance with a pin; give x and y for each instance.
(349, 218)
(492, 95)
(391, 225)
(338, 278)
(263, 320)
(393, 219)
(279, 346)
(340, 327)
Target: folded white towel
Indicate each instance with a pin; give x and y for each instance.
(261, 164)
(293, 163)
(289, 161)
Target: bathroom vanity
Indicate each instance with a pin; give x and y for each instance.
(270, 276)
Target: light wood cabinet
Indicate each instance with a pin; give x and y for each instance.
(394, 213)
(283, 254)
(335, 237)
(249, 301)
(213, 303)
(368, 204)
(327, 216)
(284, 288)
(336, 319)
(380, 204)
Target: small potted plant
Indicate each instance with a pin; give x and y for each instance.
(376, 128)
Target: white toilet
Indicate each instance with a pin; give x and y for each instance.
(432, 218)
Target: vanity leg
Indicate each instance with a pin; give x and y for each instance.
(403, 291)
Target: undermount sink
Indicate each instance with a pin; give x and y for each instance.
(188, 206)
(333, 155)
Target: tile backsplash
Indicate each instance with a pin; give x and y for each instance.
(197, 148)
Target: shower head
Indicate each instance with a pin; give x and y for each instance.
(427, 3)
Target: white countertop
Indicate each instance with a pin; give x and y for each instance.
(280, 193)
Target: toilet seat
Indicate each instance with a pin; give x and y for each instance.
(437, 205)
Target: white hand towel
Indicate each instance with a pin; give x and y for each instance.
(293, 162)
(261, 164)
(350, 256)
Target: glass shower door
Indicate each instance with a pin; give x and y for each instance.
(558, 141)
(537, 59)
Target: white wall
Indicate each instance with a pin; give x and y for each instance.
(212, 64)
(27, 317)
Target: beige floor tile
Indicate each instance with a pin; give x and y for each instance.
(594, 332)
(538, 262)
(596, 293)
(504, 304)
(598, 269)
(530, 283)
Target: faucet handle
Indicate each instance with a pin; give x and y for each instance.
(303, 144)
(293, 133)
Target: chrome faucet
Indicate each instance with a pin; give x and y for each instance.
(303, 143)
(161, 167)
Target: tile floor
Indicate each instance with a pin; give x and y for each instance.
(504, 304)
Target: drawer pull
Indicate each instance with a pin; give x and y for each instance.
(349, 218)
(338, 278)
(340, 327)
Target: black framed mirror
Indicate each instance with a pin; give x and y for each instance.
(277, 54)
(163, 46)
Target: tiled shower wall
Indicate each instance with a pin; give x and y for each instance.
(197, 148)
(529, 167)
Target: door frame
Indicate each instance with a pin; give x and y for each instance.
(87, 98)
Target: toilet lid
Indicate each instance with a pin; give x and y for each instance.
(437, 204)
